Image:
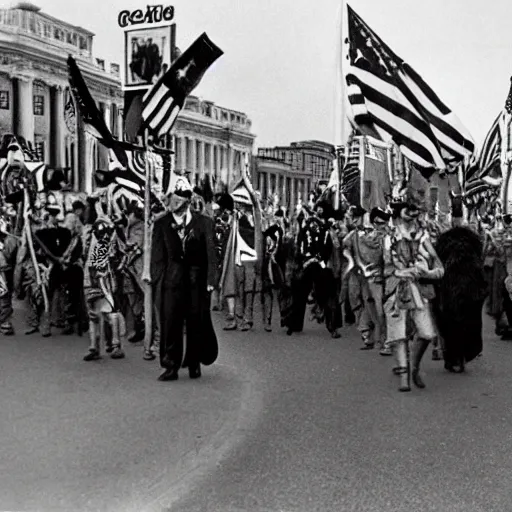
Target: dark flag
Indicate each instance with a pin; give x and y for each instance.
(93, 120)
(164, 101)
(388, 95)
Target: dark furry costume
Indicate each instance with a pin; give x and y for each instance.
(460, 296)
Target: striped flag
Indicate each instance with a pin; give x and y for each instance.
(164, 101)
(489, 171)
(390, 100)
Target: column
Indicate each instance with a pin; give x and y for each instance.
(218, 167)
(57, 149)
(231, 158)
(211, 161)
(201, 149)
(182, 154)
(191, 167)
(24, 112)
(120, 122)
(299, 190)
(269, 185)
(283, 197)
(293, 201)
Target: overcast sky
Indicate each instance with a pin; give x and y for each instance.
(279, 62)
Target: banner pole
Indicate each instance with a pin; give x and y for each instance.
(146, 274)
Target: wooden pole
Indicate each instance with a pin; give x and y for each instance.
(30, 245)
(146, 274)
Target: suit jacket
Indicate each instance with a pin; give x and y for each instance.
(171, 258)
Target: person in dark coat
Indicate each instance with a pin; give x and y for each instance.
(183, 273)
(460, 296)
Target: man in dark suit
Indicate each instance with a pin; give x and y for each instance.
(183, 273)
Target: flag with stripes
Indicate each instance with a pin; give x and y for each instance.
(164, 101)
(490, 169)
(389, 99)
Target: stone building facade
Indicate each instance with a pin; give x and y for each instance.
(294, 171)
(34, 48)
(209, 139)
(34, 90)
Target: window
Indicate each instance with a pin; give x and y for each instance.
(38, 105)
(4, 100)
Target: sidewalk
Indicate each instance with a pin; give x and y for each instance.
(104, 435)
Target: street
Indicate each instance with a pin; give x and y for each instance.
(293, 424)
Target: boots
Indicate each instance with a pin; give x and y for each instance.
(420, 348)
(117, 324)
(403, 369)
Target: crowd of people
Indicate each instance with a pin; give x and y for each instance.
(404, 279)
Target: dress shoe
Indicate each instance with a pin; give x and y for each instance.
(368, 346)
(169, 374)
(335, 335)
(32, 330)
(194, 372)
(267, 328)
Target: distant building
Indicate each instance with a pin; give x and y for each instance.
(209, 139)
(34, 92)
(292, 172)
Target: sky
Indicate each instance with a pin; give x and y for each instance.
(280, 56)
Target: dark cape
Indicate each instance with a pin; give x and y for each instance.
(181, 272)
(460, 295)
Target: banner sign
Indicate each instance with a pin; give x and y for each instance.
(153, 14)
(148, 55)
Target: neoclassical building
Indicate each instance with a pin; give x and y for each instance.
(292, 172)
(34, 92)
(34, 48)
(209, 139)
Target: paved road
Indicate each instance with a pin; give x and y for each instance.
(292, 424)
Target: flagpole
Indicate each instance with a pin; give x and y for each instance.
(340, 117)
(146, 274)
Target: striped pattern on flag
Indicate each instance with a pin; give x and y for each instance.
(160, 108)
(387, 94)
(37, 169)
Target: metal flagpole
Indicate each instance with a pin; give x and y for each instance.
(146, 274)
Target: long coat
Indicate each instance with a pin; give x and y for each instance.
(181, 270)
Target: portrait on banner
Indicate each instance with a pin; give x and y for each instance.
(148, 54)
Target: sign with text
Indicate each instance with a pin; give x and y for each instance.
(152, 14)
(148, 55)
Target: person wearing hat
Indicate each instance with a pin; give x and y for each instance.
(363, 252)
(409, 257)
(314, 248)
(183, 275)
(100, 290)
(133, 267)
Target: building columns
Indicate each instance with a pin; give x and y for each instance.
(293, 202)
(182, 155)
(24, 110)
(192, 159)
(211, 161)
(57, 147)
(231, 158)
(218, 168)
(201, 159)
(269, 185)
